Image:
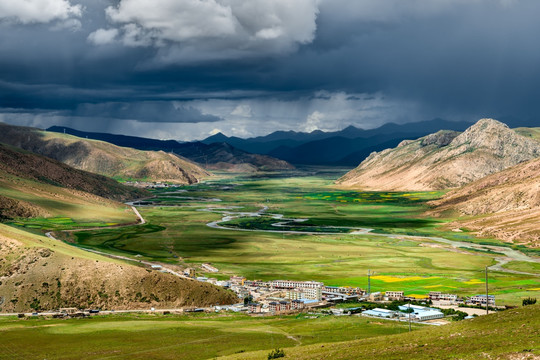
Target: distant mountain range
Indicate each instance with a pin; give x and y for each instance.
(216, 156)
(445, 159)
(346, 147)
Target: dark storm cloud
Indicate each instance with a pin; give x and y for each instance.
(302, 59)
(157, 111)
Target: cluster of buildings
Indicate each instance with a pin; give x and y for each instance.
(151, 184)
(282, 296)
(436, 297)
(409, 312)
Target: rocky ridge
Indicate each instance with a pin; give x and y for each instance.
(444, 160)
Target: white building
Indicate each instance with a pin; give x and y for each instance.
(376, 296)
(294, 294)
(306, 293)
(394, 295)
(313, 293)
(481, 300)
(209, 268)
(416, 309)
(290, 284)
(429, 315)
(421, 313)
(382, 313)
(439, 296)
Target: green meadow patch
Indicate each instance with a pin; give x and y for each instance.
(178, 336)
(58, 224)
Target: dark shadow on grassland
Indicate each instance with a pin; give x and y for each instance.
(49, 204)
(151, 241)
(375, 222)
(120, 240)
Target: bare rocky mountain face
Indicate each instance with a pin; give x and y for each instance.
(104, 158)
(444, 160)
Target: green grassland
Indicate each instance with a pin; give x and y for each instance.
(533, 133)
(59, 223)
(177, 337)
(177, 233)
(524, 266)
(512, 334)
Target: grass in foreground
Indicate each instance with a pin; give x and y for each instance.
(512, 334)
(174, 337)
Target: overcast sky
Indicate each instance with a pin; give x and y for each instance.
(186, 69)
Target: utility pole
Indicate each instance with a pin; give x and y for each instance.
(487, 292)
(409, 315)
(369, 282)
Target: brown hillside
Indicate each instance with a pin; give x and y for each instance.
(103, 158)
(12, 208)
(37, 273)
(505, 205)
(444, 160)
(30, 166)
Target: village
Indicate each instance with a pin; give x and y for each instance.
(260, 298)
(288, 297)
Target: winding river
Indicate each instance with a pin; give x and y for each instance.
(228, 215)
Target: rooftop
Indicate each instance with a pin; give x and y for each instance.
(382, 310)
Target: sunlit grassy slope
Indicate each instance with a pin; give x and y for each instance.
(62, 202)
(533, 133)
(512, 334)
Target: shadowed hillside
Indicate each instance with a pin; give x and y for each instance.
(446, 159)
(25, 165)
(103, 158)
(505, 205)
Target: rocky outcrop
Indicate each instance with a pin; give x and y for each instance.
(444, 160)
(440, 138)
